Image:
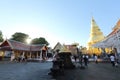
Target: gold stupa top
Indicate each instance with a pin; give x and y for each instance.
(95, 34)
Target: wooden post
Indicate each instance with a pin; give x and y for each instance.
(12, 56)
(46, 55)
(40, 54)
(30, 55)
(37, 54)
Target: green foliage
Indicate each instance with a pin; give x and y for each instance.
(1, 37)
(21, 37)
(40, 40)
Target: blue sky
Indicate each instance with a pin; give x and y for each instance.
(65, 21)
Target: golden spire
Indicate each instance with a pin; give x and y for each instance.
(95, 33)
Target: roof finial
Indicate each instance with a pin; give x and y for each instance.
(92, 18)
(92, 15)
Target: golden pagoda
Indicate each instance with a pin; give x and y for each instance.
(95, 36)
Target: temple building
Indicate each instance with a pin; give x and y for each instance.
(72, 48)
(57, 47)
(111, 43)
(95, 36)
(115, 34)
(17, 49)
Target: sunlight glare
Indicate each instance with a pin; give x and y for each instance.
(28, 40)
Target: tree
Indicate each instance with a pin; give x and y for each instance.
(1, 37)
(40, 40)
(21, 37)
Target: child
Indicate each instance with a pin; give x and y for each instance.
(116, 64)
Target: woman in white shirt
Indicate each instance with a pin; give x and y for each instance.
(96, 59)
(112, 59)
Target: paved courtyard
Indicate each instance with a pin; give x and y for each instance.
(23, 71)
(39, 71)
(100, 71)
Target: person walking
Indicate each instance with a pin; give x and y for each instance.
(96, 59)
(75, 58)
(12, 57)
(86, 60)
(112, 59)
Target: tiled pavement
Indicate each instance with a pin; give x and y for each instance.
(39, 71)
(100, 71)
(25, 71)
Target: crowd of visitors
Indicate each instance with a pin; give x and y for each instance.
(83, 58)
(21, 58)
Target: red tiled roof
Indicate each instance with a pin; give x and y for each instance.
(37, 47)
(15, 45)
(117, 26)
(113, 32)
(18, 45)
(5, 43)
(8, 48)
(118, 23)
